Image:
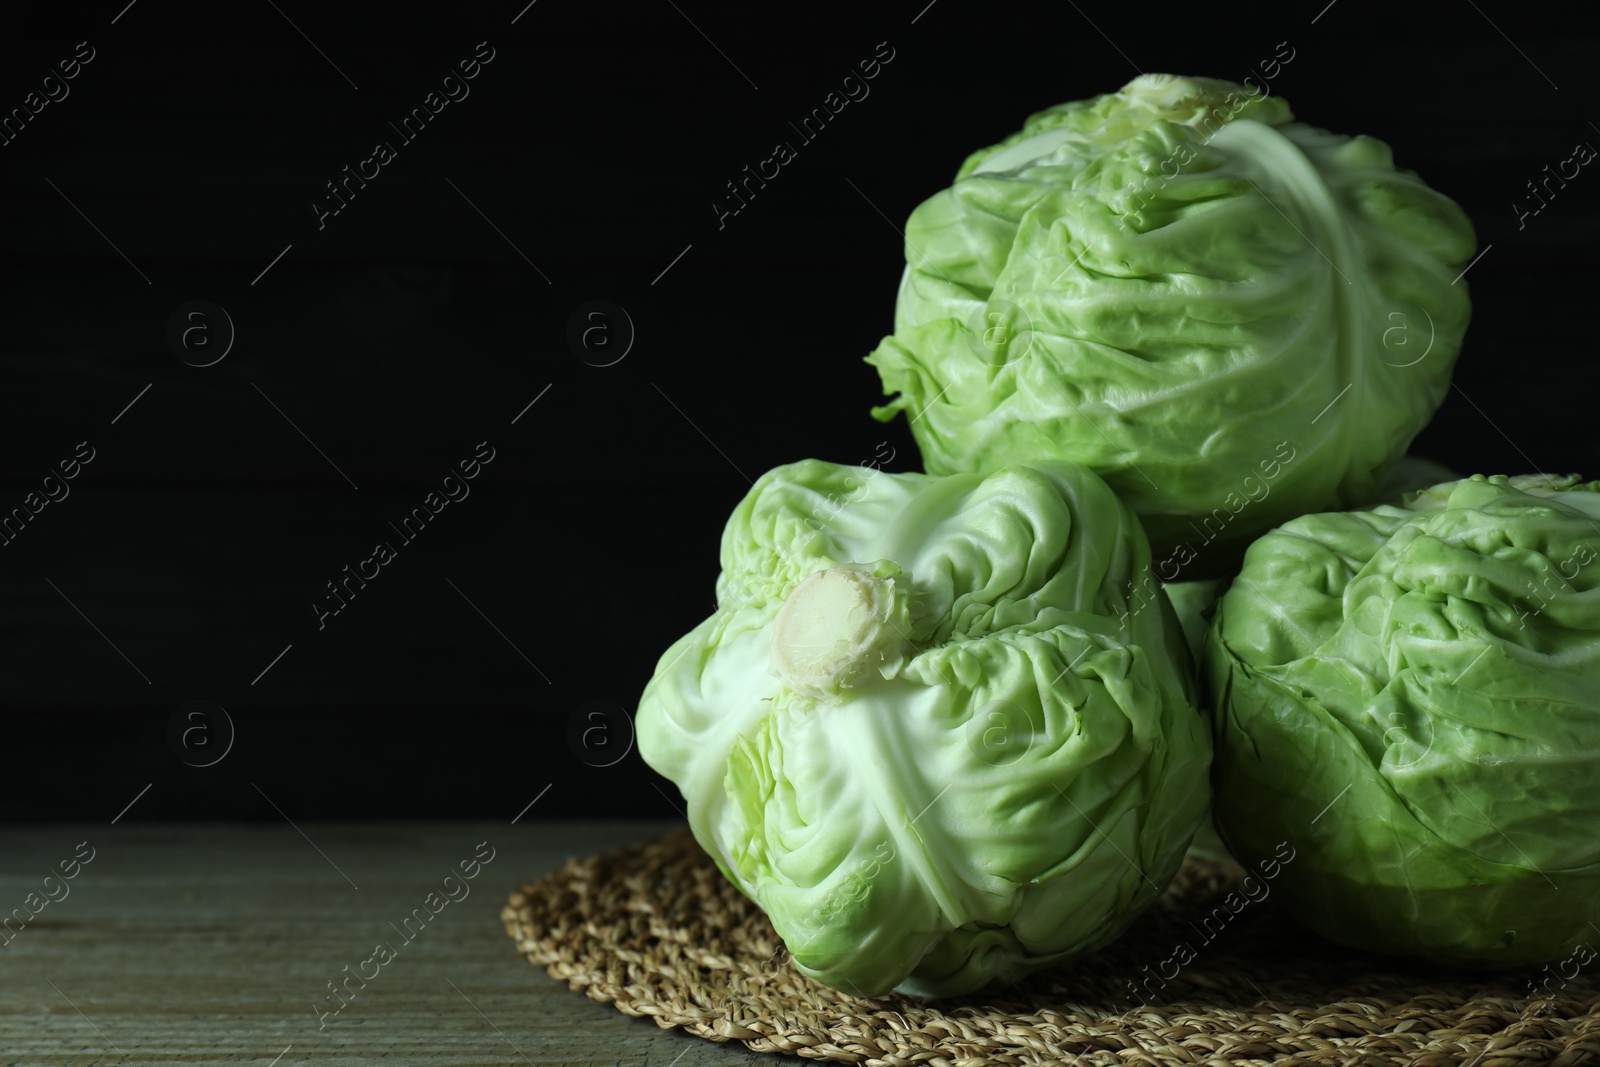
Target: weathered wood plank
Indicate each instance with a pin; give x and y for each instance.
(211, 944)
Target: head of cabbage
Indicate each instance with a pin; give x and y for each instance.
(1233, 317)
(941, 729)
(1409, 698)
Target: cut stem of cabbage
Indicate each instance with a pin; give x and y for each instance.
(837, 625)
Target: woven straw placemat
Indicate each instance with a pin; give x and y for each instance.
(656, 930)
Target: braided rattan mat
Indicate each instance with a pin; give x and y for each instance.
(657, 930)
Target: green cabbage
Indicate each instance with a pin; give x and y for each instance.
(1409, 696)
(1191, 602)
(941, 729)
(1179, 286)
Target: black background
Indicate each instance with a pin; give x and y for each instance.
(415, 324)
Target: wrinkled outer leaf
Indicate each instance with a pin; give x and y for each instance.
(1178, 285)
(1013, 780)
(1410, 696)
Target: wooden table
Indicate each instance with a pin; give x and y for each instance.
(216, 943)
